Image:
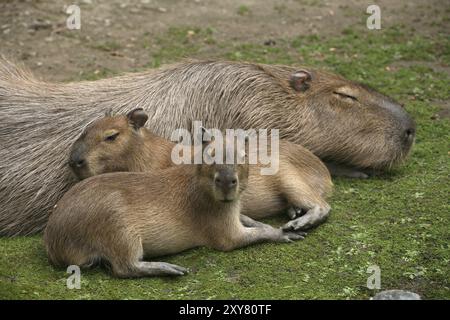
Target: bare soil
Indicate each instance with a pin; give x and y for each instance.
(113, 32)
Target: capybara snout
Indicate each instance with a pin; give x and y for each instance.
(226, 184)
(77, 159)
(228, 180)
(405, 131)
(382, 131)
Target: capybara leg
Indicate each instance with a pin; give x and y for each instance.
(300, 196)
(261, 233)
(139, 269)
(249, 222)
(150, 269)
(125, 259)
(312, 218)
(342, 171)
(294, 212)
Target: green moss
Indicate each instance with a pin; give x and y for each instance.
(177, 43)
(107, 46)
(397, 221)
(243, 10)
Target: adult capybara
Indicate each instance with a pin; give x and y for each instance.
(121, 143)
(336, 119)
(119, 218)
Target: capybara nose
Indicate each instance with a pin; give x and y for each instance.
(409, 129)
(406, 124)
(77, 163)
(80, 163)
(410, 134)
(226, 182)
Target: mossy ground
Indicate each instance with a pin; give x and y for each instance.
(398, 221)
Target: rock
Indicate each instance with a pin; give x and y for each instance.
(396, 295)
(270, 42)
(39, 24)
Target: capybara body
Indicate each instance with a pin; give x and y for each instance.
(338, 120)
(119, 218)
(121, 143)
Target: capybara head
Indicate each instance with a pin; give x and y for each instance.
(344, 121)
(224, 180)
(107, 144)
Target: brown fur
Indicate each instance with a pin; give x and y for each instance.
(119, 218)
(338, 120)
(302, 181)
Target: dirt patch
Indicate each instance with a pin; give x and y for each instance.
(112, 32)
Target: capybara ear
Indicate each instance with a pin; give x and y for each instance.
(300, 80)
(137, 118)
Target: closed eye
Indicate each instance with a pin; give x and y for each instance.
(112, 137)
(344, 95)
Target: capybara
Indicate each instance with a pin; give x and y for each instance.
(122, 143)
(336, 119)
(118, 218)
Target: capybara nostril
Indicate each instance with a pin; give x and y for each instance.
(80, 163)
(408, 136)
(77, 163)
(230, 182)
(410, 133)
(226, 182)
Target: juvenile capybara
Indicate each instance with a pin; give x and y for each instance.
(122, 143)
(337, 119)
(118, 218)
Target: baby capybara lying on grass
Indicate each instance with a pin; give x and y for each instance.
(122, 143)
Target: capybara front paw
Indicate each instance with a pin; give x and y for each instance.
(290, 236)
(294, 212)
(296, 225)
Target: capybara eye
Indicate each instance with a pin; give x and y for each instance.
(111, 137)
(345, 96)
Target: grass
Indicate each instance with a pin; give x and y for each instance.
(107, 46)
(398, 221)
(243, 10)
